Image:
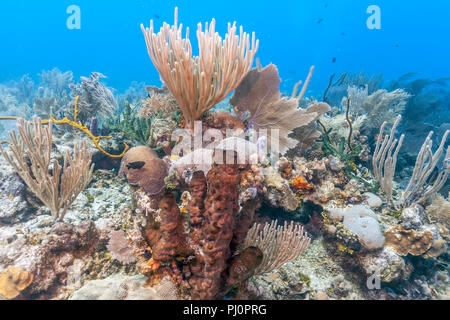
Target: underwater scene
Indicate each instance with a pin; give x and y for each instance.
(202, 150)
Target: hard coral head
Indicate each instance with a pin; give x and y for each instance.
(142, 167)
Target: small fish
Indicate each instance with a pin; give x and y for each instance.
(334, 60)
(104, 171)
(135, 165)
(343, 34)
(319, 21)
(156, 16)
(175, 157)
(326, 5)
(396, 45)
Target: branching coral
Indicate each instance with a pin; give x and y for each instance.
(58, 189)
(420, 187)
(199, 83)
(384, 161)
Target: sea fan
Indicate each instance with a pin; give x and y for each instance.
(258, 102)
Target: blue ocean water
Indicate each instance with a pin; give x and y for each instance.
(331, 34)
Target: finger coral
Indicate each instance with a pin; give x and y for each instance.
(420, 187)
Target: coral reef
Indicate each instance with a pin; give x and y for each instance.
(260, 196)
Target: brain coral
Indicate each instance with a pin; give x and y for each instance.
(142, 167)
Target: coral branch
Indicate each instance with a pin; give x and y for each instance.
(384, 162)
(31, 159)
(420, 188)
(306, 84)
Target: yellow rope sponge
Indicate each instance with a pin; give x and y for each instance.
(77, 124)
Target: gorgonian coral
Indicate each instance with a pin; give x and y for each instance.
(258, 102)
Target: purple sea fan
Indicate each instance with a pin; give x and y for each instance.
(93, 125)
(119, 247)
